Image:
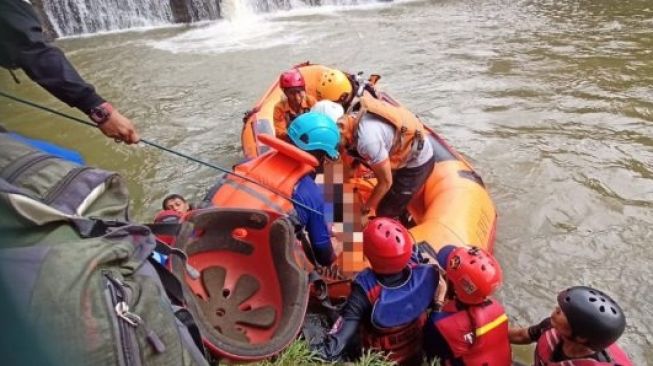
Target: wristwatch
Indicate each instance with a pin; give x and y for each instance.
(101, 113)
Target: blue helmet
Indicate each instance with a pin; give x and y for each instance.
(315, 131)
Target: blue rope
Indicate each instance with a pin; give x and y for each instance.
(160, 147)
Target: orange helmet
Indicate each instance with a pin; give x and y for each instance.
(333, 85)
(474, 272)
(387, 244)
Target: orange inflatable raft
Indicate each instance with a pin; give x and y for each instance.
(453, 207)
(253, 278)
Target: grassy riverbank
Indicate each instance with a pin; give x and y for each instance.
(299, 354)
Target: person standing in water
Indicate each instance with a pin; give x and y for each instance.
(582, 330)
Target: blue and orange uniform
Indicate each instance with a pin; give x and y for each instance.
(388, 301)
(312, 220)
(286, 171)
(390, 309)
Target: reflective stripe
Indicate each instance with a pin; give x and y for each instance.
(491, 325)
(550, 342)
(255, 194)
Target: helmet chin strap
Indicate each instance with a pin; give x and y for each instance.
(319, 155)
(577, 348)
(347, 134)
(580, 341)
(363, 84)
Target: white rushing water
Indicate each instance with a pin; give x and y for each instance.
(80, 17)
(91, 16)
(246, 28)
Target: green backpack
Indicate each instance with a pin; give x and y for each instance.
(79, 274)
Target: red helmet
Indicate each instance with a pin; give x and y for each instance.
(291, 79)
(474, 273)
(387, 245)
(167, 217)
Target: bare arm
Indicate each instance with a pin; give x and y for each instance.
(23, 45)
(530, 334)
(519, 336)
(120, 128)
(383, 175)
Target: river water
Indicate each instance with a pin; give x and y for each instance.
(550, 100)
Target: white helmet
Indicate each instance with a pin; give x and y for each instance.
(331, 109)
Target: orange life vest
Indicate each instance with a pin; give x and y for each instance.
(278, 170)
(284, 115)
(410, 134)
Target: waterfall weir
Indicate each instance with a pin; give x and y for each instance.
(75, 17)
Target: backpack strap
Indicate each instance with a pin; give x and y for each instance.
(171, 284)
(94, 227)
(5, 187)
(186, 318)
(175, 292)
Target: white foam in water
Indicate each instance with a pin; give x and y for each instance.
(244, 29)
(227, 36)
(237, 9)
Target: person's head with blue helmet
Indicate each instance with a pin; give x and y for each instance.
(317, 134)
(443, 255)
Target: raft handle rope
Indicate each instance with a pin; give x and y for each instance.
(161, 147)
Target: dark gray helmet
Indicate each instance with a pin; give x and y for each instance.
(592, 315)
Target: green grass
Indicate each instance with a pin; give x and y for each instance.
(373, 358)
(297, 354)
(300, 354)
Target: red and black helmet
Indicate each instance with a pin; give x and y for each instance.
(387, 245)
(291, 79)
(474, 273)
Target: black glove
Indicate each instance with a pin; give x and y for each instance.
(535, 331)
